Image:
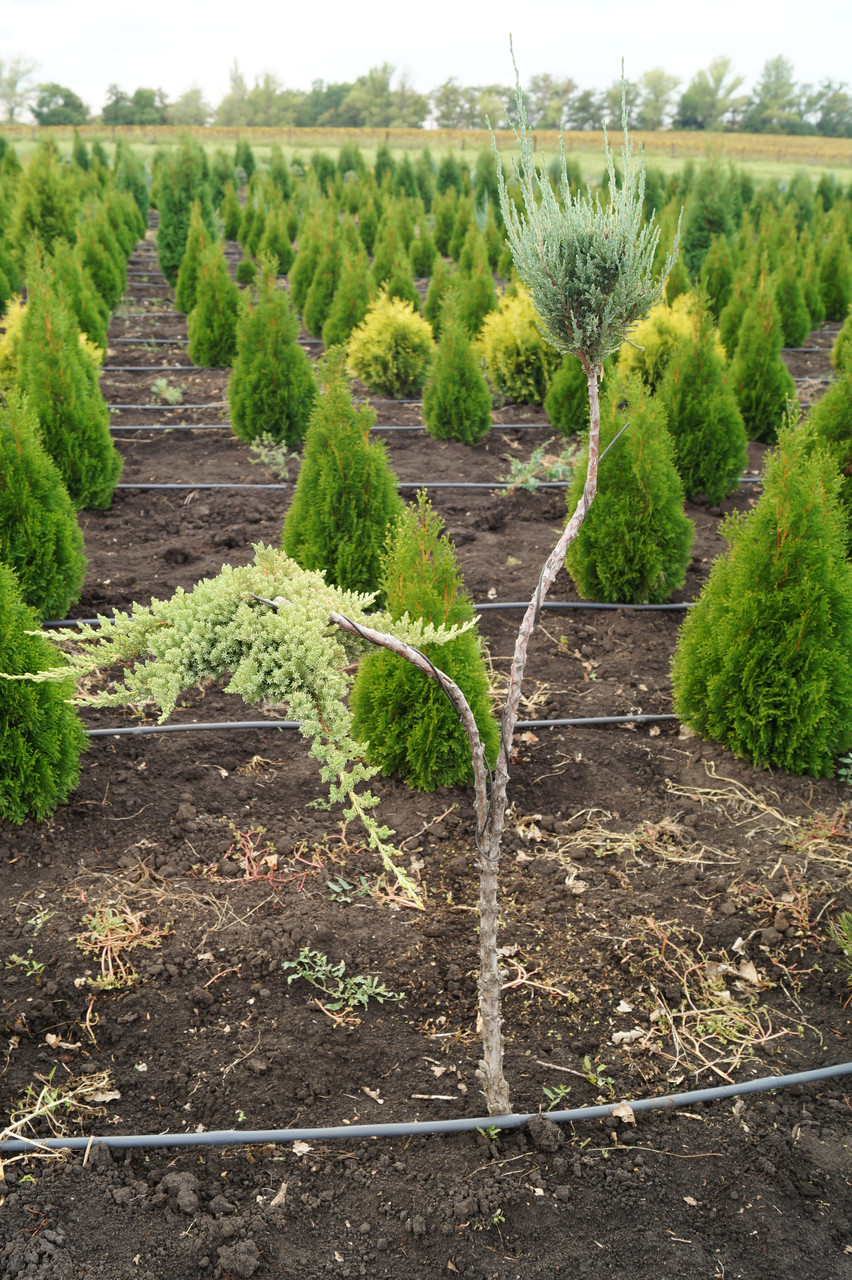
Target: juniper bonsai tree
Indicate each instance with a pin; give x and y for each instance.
(284, 634)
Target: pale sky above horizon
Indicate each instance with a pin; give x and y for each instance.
(176, 45)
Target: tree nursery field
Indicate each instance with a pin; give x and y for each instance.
(195, 941)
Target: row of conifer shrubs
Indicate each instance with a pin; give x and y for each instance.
(56, 457)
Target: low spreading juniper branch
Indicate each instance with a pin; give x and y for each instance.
(297, 655)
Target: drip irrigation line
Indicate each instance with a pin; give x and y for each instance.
(495, 426)
(814, 379)
(147, 315)
(576, 722)
(494, 486)
(168, 426)
(167, 408)
(58, 623)
(146, 342)
(413, 1128)
(162, 368)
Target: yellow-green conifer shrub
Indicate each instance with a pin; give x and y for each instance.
(41, 737)
(271, 387)
(213, 319)
(653, 341)
(703, 416)
(456, 400)
(197, 240)
(762, 662)
(392, 349)
(518, 363)
(39, 535)
(60, 381)
(405, 719)
(346, 495)
(762, 382)
(635, 542)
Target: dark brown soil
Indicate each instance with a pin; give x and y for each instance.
(652, 885)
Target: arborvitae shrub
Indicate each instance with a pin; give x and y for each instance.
(276, 239)
(836, 275)
(678, 283)
(351, 299)
(444, 212)
(717, 274)
(444, 277)
(456, 400)
(762, 382)
(94, 255)
(231, 211)
(11, 325)
(790, 301)
(424, 169)
(129, 176)
(392, 349)
(244, 159)
(246, 271)
(762, 662)
(46, 203)
(271, 387)
(385, 163)
(405, 718)
(87, 304)
(368, 225)
(841, 351)
(388, 247)
(811, 287)
(731, 319)
(567, 401)
(464, 220)
(39, 535)
(182, 180)
(326, 276)
(477, 295)
(703, 416)
(311, 236)
(213, 319)
(830, 427)
(80, 152)
(449, 174)
(519, 364)
(279, 172)
(41, 737)
(422, 254)
(653, 341)
(708, 214)
(251, 241)
(400, 283)
(346, 495)
(57, 376)
(635, 542)
(197, 240)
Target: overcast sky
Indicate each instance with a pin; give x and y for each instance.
(172, 44)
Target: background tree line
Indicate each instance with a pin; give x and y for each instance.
(713, 100)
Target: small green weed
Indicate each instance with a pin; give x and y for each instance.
(541, 466)
(31, 967)
(343, 891)
(345, 993)
(595, 1073)
(844, 768)
(841, 932)
(555, 1094)
(276, 457)
(40, 919)
(491, 1132)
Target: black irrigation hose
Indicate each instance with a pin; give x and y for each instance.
(180, 342)
(171, 426)
(400, 484)
(814, 379)
(56, 623)
(413, 1128)
(578, 722)
(167, 408)
(160, 368)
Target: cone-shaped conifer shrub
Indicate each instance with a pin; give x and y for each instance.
(231, 211)
(456, 400)
(311, 239)
(841, 351)
(213, 319)
(812, 289)
(762, 663)
(567, 400)
(762, 382)
(346, 495)
(731, 319)
(422, 254)
(635, 543)
(197, 240)
(279, 172)
(477, 295)
(444, 277)
(272, 386)
(703, 416)
(400, 282)
(406, 719)
(790, 301)
(388, 247)
(94, 255)
(57, 376)
(39, 535)
(519, 364)
(351, 298)
(182, 180)
(829, 425)
(444, 211)
(653, 341)
(246, 271)
(46, 202)
(836, 275)
(41, 737)
(276, 238)
(244, 159)
(392, 349)
(678, 283)
(324, 283)
(87, 304)
(717, 274)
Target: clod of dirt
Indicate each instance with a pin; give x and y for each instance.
(546, 1135)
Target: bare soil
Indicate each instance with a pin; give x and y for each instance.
(665, 912)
